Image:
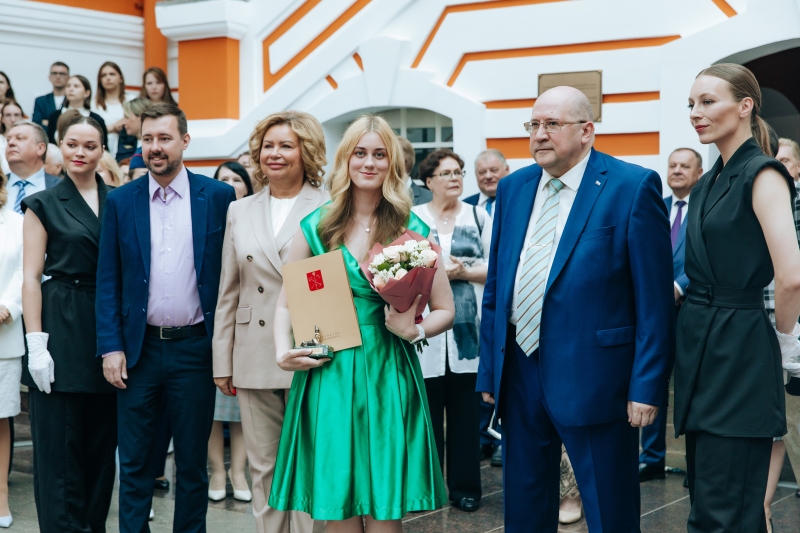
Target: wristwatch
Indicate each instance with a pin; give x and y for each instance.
(419, 338)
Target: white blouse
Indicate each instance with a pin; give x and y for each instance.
(3, 162)
(469, 242)
(279, 209)
(110, 116)
(11, 337)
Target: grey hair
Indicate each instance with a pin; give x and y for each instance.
(697, 155)
(54, 153)
(38, 133)
(491, 152)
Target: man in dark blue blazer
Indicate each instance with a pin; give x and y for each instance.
(46, 105)
(684, 167)
(576, 331)
(157, 284)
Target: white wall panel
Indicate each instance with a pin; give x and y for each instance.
(346, 69)
(305, 31)
(578, 21)
(624, 71)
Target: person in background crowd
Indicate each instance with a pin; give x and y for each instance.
(124, 167)
(10, 113)
(155, 87)
(132, 110)
(788, 153)
(729, 397)
(236, 176)
(54, 161)
(226, 408)
(66, 117)
(244, 160)
(419, 195)
(26, 153)
(12, 343)
(490, 168)
(587, 281)
(174, 220)
(449, 364)
(79, 97)
(73, 410)
(6, 92)
(136, 168)
(48, 104)
(108, 102)
(109, 170)
(290, 150)
(684, 168)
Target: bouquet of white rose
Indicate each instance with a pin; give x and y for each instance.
(402, 270)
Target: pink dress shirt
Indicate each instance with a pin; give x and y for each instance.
(172, 296)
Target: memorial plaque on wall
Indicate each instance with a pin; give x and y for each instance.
(589, 83)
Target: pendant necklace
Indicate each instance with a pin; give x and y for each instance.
(362, 225)
(445, 219)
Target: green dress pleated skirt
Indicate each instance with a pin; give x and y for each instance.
(357, 436)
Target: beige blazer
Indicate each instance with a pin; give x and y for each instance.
(250, 282)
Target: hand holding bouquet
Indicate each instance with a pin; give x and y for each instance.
(402, 270)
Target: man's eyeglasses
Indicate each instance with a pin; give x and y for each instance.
(550, 125)
(57, 74)
(447, 174)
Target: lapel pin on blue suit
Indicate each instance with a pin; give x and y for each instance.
(597, 183)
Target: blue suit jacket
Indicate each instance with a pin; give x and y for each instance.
(472, 200)
(606, 332)
(43, 107)
(123, 269)
(679, 252)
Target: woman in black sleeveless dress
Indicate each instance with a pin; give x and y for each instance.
(729, 398)
(73, 407)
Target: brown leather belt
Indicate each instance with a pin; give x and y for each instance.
(182, 332)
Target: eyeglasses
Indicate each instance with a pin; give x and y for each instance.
(550, 125)
(448, 174)
(64, 74)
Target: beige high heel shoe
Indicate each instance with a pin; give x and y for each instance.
(570, 517)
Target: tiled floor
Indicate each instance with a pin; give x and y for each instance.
(665, 506)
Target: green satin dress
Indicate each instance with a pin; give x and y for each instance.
(357, 436)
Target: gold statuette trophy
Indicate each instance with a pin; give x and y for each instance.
(318, 350)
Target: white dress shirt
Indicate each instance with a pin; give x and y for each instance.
(566, 196)
(36, 184)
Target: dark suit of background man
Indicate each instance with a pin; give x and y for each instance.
(576, 332)
(49, 103)
(158, 279)
(26, 153)
(684, 167)
(490, 167)
(420, 195)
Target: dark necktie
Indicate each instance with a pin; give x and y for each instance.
(676, 226)
(489, 205)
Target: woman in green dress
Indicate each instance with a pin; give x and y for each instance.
(357, 437)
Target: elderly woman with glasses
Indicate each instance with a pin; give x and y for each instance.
(450, 363)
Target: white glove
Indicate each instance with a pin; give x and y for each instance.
(40, 363)
(790, 350)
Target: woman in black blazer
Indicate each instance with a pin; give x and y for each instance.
(79, 96)
(72, 407)
(729, 398)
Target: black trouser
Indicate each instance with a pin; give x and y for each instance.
(74, 443)
(727, 482)
(456, 393)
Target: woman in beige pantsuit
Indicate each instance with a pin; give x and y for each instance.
(288, 152)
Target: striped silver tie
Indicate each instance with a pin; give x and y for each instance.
(534, 271)
(20, 195)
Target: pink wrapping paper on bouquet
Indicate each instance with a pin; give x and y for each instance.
(400, 293)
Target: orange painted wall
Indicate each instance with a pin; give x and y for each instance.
(619, 144)
(123, 7)
(155, 44)
(208, 75)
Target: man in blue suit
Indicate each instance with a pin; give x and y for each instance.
(490, 168)
(576, 331)
(157, 284)
(685, 167)
(46, 105)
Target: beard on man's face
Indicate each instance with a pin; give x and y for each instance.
(168, 169)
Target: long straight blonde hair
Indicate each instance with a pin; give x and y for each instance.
(394, 209)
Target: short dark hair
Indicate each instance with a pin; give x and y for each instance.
(239, 170)
(432, 161)
(80, 119)
(60, 64)
(167, 110)
(695, 152)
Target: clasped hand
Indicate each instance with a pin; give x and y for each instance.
(402, 324)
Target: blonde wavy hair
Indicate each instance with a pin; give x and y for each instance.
(3, 190)
(394, 209)
(312, 145)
